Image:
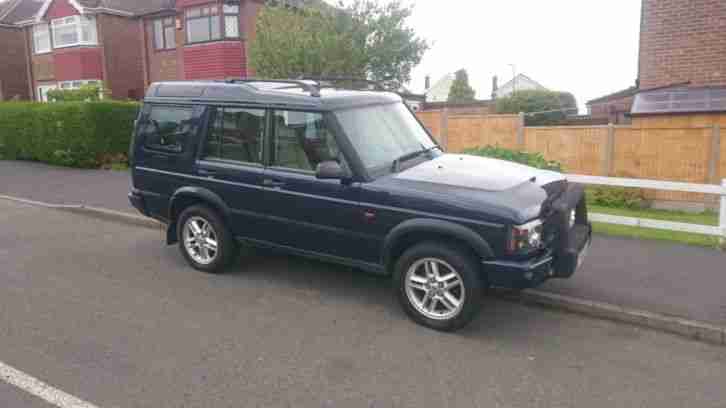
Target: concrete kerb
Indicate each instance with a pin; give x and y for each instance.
(676, 325)
(101, 213)
(684, 327)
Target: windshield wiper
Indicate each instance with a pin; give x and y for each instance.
(395, 166)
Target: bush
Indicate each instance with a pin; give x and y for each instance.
(70, 134)
(556, 106)
(616, 197)
(529, 159)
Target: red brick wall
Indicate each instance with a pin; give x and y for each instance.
(162, 65)
(122, 54)
(13, 68)
(217, 60)
(60, 8)
(614, 110)
(683, 40)
(78, 63)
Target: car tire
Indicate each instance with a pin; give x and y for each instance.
(199, 228)
(439, 286)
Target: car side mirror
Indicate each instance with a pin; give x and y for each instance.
(330, 170)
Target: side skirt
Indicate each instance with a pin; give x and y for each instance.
(368, 267)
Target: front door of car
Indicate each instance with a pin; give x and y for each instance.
(230, 165)
(317, 216)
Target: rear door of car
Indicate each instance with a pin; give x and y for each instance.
(164, 151)
(230, 164)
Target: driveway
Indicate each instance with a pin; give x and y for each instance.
(107, 313)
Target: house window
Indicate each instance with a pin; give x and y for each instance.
(41, 38)
(164, 34)
(203, 24)
(78, 84)
(73, 31)
(231, 21)
(43, 92)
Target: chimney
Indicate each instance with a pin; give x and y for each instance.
(495, 86)
(428, 82)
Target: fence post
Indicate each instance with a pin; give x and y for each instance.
(444, 133)
(722, 215)
(715, 159)
(520, 131)
(609, 152)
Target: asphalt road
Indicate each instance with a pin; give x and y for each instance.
(107, 313)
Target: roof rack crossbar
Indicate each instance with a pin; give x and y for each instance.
(314, 90)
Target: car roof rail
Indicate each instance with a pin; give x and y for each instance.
(329, 79)
(313, 89)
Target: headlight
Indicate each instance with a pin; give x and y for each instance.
(525, 238)
(573, 217)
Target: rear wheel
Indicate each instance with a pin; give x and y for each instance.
(439, 286)
(204, 240)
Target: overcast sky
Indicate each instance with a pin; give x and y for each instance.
(587, 47)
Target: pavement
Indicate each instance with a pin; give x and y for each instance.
(670, 279)
(107, 313)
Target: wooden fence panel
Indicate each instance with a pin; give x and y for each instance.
(581, 150)
(469, 131)
(432, 121)
(664, 154)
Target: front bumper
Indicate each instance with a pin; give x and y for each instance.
(552, 264)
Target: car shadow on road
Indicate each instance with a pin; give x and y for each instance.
(339, 285)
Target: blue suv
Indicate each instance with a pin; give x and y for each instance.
(350, 177)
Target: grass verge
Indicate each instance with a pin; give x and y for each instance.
(705, 218)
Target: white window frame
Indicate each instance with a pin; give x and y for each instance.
(80, 23)
(42, 90)
(42, 30)
(77, 84)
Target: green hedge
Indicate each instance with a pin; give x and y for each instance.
(74, 134)
(530, 159)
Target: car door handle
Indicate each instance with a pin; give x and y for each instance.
(207, 173)
(273, 183)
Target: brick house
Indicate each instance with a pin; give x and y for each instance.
(199, 39)
(682, 46)
(13, 69)
(125, 44)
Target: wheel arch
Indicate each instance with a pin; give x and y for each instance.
(187, 196)
(415, 231)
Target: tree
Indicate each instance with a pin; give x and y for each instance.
(554, 105)
(364, 40)
(461, 91)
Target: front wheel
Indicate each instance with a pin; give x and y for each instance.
(439, 286)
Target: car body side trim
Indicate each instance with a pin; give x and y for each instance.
(338, 200)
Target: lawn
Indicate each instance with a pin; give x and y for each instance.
(705, 218)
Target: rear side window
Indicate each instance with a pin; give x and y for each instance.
(167, 128)
(235, 134)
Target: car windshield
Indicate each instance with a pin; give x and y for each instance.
(382, 134)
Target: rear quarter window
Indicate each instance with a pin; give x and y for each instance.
(168, 128)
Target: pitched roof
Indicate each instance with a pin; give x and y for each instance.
(19, 10)
(16, 11)
(134, 7)
(680, 99)
(518, 80)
